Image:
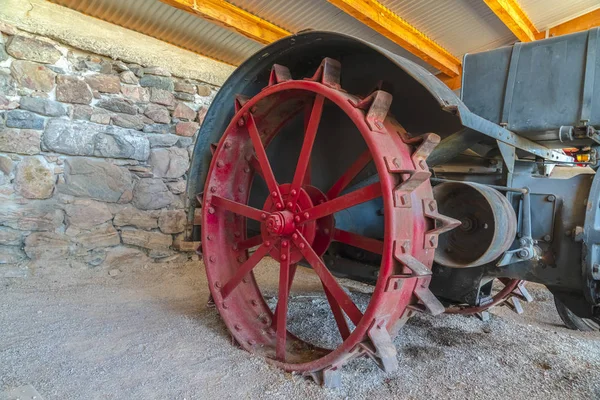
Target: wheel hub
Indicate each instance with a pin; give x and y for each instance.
(280, 223)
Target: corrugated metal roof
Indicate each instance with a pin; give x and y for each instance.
(546, 14)
(460, 26)
(159, 20)
(295, 16)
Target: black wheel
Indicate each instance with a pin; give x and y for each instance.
(574, 322)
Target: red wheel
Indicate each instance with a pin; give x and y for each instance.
(513, 290)
(297, 222)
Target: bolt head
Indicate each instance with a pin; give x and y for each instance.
(297, 218)
(241, 189)
(209, 237)
(301, 245)
(289, 205)
(547, 238)
(274, 194)
(246, 169)
(225, 306)
(284, 243)
(227, 145)
(213, 189)
(326, 231)
(212, 258)
(268, 243)
(551, 197)
(293, 192)
(306, 215)
(237, 234)
(240, 259)
(295, 236)
(220, 164)
(284, 257)
(237, 327)
(254, 302)
(263, 216)
(217, 284)
(240, 122)
(522, 254)
(211, 210)
(279, 206)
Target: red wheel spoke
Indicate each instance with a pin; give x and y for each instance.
(261, 156)
(360, 241)
(338, 294)
(282, 302)
(358, 165)
(351, 199)
(249, 243)
(309, 139)
(238, 208)
(290, 280)
(338, 315)
(256, 166)
(244, 269)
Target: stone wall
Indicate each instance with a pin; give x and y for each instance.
(94, 154)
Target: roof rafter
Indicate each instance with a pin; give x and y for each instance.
(515, 19)
(231, 17)
(382, 20)
(582, 23)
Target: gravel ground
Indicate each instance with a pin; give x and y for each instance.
(146, 333)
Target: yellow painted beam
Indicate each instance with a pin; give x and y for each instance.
(231, 17)
(379, 18)
(585, 22)
(513, 16)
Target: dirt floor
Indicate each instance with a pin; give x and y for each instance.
(144, 332)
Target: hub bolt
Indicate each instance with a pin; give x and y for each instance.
(297, 218)
(295, 236)
(293, 192)
(289, 205)
(279, 206)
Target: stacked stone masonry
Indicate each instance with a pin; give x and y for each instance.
(94, 154)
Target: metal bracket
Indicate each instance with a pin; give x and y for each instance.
(240, 100)
(328, 73)
(508, 155)
(377, 105)
(442, 223)
(526, 251)
(384, 352)
(279, 74)
(429, 302)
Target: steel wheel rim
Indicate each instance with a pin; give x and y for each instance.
(383, 148)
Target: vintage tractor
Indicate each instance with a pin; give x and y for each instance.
(326, 151)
